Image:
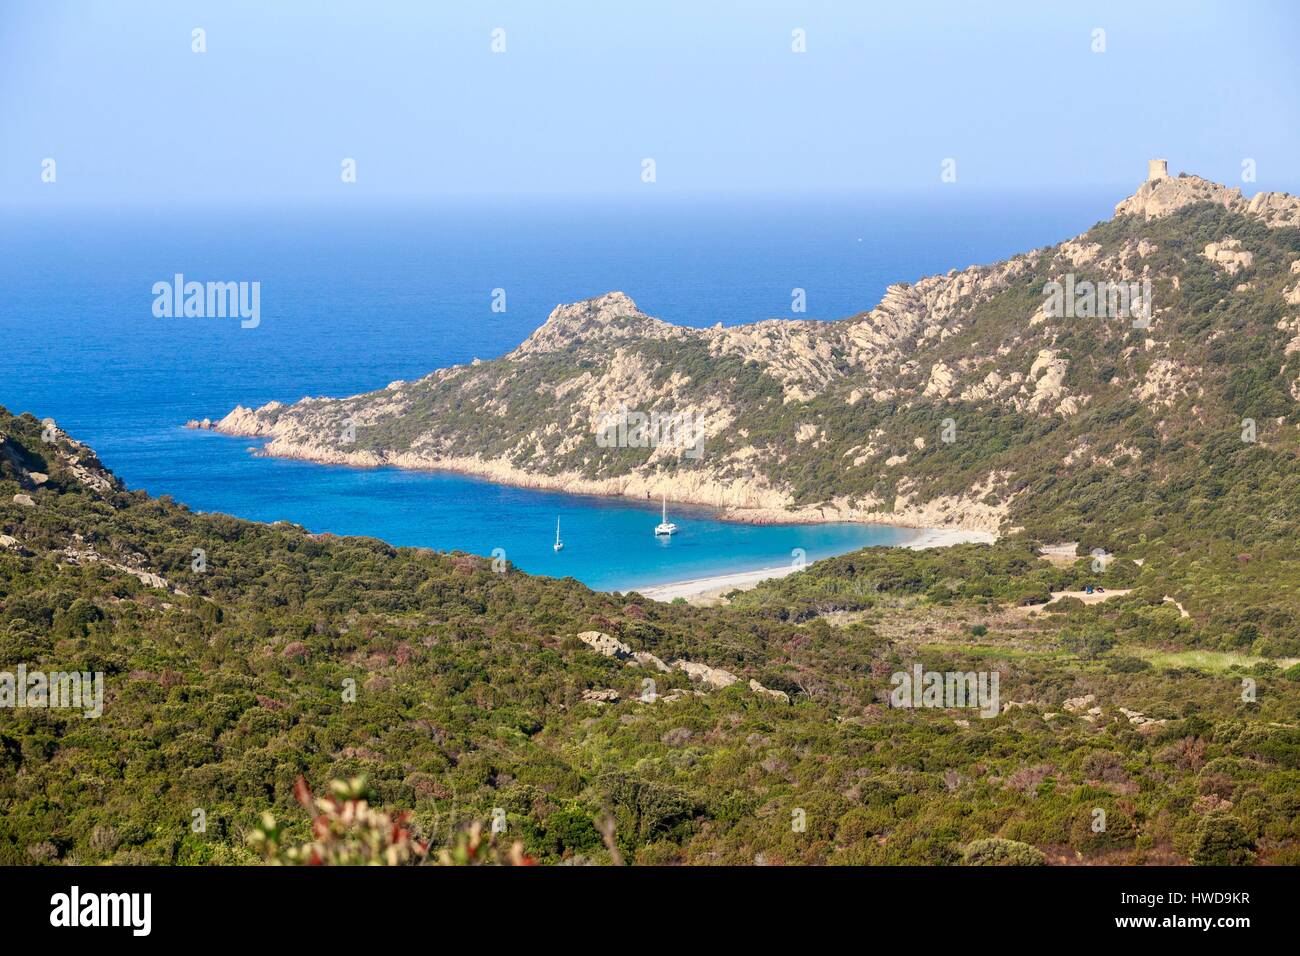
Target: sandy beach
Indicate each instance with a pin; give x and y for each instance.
(706, 591)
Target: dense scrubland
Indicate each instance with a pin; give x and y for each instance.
(457, 693)
(1155, 722)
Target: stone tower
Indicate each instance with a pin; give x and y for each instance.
(1157, 169)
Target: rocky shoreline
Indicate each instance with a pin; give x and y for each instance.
(746, 501)
(776, 401)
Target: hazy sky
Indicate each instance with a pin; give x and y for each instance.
(585, 91)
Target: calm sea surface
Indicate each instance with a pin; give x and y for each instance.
(355, 297)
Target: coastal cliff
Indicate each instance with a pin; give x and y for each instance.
(969, 400)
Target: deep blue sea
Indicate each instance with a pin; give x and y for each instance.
(354, 297)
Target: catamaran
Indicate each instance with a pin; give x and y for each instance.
(559, 545)
(665, 526)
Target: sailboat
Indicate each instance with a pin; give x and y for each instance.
(559, 545)
(665, 526)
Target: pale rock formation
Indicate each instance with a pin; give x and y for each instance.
(611, 316)
(1018, 705)
(975, 510)
(1047, 374)
(604, 644)
(1121, 450)
(1292, 328)
(646, 659)
(758, 688)
(923, 312)
(993, 386)
(711, 678)
(795, 353)
(941, 381)
(675, 695)
(1229, 255)
(1080, 253)
(93, 478)
(247, 421)
(862, 454)
(1070, 405)
(76, 553)
(1076, 704)
(70, 452)
(1164, 383)
(1139, 718)
(1275, 209)
(1162, 195)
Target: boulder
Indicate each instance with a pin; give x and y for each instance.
(646, 659)
(1229, 255)
(1076, 704)
(604, 644)
(711, 678)
(758, 688)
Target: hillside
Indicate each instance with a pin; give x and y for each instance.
(958, 401)
(460, 694)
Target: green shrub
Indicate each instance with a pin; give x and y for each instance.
(998, 852)
(1222, 841)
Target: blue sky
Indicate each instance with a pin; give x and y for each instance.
(586, 90)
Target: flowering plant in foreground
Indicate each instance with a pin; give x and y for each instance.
(348, 831)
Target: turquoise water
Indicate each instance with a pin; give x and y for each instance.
(608, 543)
(354, 297)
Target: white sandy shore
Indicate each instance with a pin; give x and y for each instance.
(712, 588)
(721, 583)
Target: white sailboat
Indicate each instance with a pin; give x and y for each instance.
(665, 526)
(559, 545)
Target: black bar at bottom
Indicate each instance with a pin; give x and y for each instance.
(336, 906)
